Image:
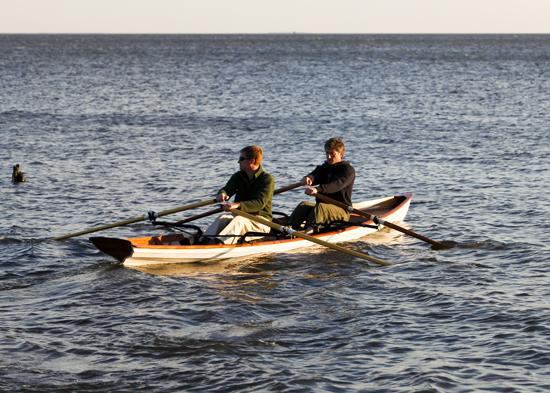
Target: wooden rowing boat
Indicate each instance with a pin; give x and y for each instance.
(166, 249)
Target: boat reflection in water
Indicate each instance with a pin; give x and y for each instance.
(202, 269)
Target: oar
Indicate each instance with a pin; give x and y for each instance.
(287, 188)
(167, 212)
(137, 219)
(302, 235)
(201, 215)
(435, 244)
(219, 209)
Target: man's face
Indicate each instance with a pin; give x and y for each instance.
(244, 162)
(334, 156)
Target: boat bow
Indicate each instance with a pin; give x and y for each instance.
(120, 249)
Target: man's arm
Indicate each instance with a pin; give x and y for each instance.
(343, 180)
(229, 189)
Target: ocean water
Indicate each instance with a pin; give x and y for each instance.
(109, 127)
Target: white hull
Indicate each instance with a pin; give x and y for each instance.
(168, 254)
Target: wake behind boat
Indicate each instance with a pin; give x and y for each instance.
(171, 248)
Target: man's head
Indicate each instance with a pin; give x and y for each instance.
(250, 158)
(334, 150)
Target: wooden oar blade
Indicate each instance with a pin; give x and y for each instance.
(444, 245)
(436, 245)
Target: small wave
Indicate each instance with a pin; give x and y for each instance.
(489, 244)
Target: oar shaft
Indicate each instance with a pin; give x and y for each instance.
(219, 210)
(201, 215)
(378, 220)
(186, 207)
(136, 219)
(165, 213)
(408, 232)
(100, 228)
(308, 237)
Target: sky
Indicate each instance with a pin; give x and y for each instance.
(274, 16)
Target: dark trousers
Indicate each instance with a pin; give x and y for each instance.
(314, 214)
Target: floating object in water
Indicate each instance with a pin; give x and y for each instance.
(17, 176)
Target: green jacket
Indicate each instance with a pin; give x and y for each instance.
(255, 195)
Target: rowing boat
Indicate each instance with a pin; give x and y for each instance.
(168, 248)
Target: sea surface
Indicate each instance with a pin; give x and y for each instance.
(108, 127)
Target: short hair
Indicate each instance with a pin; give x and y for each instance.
(253, 152)
(335, 144)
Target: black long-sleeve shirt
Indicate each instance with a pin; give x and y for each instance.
(335, 181)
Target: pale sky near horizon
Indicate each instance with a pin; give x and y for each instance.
(274, 16)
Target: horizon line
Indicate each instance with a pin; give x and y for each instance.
(279, 33)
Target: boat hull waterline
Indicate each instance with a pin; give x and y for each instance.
(141, 251)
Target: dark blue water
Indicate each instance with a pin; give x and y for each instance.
(109, 127)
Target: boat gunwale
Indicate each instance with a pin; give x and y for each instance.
(137, 240)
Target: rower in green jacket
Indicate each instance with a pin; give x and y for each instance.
(253, 189)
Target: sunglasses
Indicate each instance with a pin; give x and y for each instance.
(241, 159)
